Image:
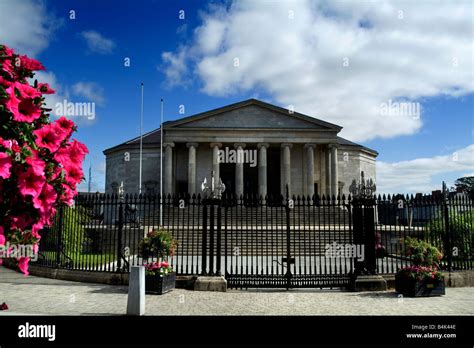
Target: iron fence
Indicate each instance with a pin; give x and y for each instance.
(260, 242)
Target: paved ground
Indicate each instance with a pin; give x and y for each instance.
(43, 296)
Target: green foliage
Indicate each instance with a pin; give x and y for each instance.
(157, 243)
(422, 252)
(461, 234)
(466, 184)
(426, 259)
(73, 231)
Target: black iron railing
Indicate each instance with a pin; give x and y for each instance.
(261, 241)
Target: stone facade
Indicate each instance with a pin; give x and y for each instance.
(291, 148)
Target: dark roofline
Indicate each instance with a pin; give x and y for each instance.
(342, 141)
(247, 102)
(129, 142)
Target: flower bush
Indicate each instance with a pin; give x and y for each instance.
(157, 243)
(158, 268)
(421, 272)
(40, 166)
(160, 244)
(425, 258)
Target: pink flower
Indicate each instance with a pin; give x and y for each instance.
(49, 137)
(8, 51)
(30, 63)
(7, 66)
(44, 202)
(23, 109)
(45, 89)
(26, 91)
(68, 195)
(36, 228)
(72, 154)
(74, 175)
(30, 183)
(66, 125)
(36, 164)
(23, 265)
(2, 236)
(5, 165)
(165, 264)
(5, 83)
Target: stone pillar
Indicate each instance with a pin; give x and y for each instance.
(262, 169)
(310, 169)
(286, 164)
(328, 171)
(168, 172)
(192, 168)
(239, 169)
(215, 160)
(334, 173)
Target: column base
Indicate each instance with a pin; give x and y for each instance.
(368, 283)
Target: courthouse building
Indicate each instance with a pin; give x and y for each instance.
(279, 148)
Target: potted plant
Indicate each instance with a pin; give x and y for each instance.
(158, 245)
(423, 278)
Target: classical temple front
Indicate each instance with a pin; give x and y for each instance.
(254, 147)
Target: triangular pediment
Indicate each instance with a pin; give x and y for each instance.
(251, 114)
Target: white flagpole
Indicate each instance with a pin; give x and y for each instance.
(161, 165)
(141, 145)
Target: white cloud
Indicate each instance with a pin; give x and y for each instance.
(26, 26)
(98, 43)
(89, 90)
(417, 175)
(175, 67)
(295, 51)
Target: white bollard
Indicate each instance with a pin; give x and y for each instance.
(136, 291)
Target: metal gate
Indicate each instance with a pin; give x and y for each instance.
(279, 242)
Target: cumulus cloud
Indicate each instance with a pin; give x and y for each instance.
(89, 90)
(175, 68)
(339, 61)
(417, 175)
(26, 26)
(97, 43)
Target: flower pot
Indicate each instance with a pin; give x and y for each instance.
(156, 285)
(419, 288)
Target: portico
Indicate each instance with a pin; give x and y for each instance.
(291, 149)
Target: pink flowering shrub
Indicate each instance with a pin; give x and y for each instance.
(158, 268)
(40, 166)
(425, 259)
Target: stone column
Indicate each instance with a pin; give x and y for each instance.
(168, 172)
(286, 163)
(310, 169)
(334, 173)
(262, 169)
(215, 160)
(239, 169)
(192, 168)
(328, 171)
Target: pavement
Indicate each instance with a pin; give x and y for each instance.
(43, 296)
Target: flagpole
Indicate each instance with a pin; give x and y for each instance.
(141, 145)
(161, 165)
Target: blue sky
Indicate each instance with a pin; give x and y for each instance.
(337, 61)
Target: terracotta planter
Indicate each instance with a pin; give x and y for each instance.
(419, 288)
(156, 285)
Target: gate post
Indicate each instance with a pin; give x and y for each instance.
(447, 239)
(288, 274)
(365, 276)
(204, 239)
(119, 237)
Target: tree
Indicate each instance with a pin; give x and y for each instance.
(466, 184)
(40, 166)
